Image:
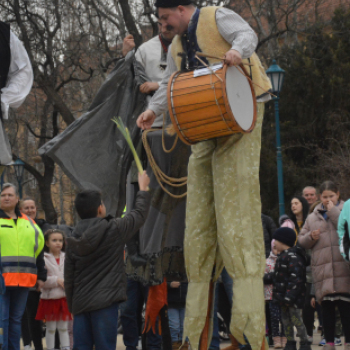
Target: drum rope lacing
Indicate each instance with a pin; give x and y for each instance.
(229, 128)
(159, 174)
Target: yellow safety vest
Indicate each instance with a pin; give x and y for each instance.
(20, 245)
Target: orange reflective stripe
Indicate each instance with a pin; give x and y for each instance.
(19, 279)
(25, 217)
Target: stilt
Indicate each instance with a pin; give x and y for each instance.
(166, 336)
(203, 345)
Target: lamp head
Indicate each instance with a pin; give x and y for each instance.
(276, 75)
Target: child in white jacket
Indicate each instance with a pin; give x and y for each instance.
(53, 303)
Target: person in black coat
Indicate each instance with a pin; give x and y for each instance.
(94, 271)
(289, 286)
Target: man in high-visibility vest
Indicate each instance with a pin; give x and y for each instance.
(21, 247)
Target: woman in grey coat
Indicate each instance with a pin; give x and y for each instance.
(330, 272)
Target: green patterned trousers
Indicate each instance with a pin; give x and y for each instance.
(223, 228)
(291, 317)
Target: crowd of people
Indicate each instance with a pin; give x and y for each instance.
(75, 280)
(307, 270)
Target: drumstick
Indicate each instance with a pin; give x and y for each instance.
(267, 92)
(201, 54)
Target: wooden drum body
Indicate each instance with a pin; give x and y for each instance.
(217, 104)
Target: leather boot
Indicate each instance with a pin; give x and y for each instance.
(176, 345)
(185, 346)
(234, 344)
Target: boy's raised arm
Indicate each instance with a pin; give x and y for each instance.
(132, 222)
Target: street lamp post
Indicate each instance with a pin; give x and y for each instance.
(276, 75)
(19, 169)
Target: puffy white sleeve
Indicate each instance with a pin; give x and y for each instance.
(158, 104)
(20, 77)
(235, 30)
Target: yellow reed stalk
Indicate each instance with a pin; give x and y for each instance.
(125, 132)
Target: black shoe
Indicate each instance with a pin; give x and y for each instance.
(291, 345)
(305, 345)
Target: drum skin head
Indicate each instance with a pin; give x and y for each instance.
(240, 97)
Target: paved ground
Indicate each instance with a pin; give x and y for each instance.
(317, 339)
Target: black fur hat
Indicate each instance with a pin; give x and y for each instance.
(172, 3)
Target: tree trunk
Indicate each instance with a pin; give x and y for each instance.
(130, 22)
(45, 191)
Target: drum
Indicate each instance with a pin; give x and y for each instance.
(208, 103)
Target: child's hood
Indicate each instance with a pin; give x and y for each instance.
(87, 236)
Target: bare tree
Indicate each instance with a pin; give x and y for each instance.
(62, 62)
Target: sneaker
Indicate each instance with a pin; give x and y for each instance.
(27, 347)
(310, 339)
(305, 345)
(337, 342)
(322, 342)
(291, 345)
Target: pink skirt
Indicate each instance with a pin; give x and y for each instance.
(53, 310)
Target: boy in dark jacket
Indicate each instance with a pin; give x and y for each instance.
(94, 272)
(289, 286)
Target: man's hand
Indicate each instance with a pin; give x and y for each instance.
(315, 235)
(146, 119)
(60, 282)
(175, 284)
(39, 285)
(149, 87)
(232, 58)
(128, 44)
(143, 181)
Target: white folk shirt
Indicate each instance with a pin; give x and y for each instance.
(154, 60)
(20, 77)
(18, 85)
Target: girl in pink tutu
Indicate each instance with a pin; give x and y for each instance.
(53, 304)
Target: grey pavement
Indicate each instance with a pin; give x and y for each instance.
(316, 340)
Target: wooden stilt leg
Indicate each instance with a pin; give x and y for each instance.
(166, 336)
(205, 333)
(263, 343)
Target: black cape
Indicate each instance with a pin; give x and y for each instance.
(91, 151)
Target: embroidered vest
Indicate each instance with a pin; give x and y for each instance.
(212, 43)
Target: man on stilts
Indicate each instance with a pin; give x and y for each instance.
(223, 221)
